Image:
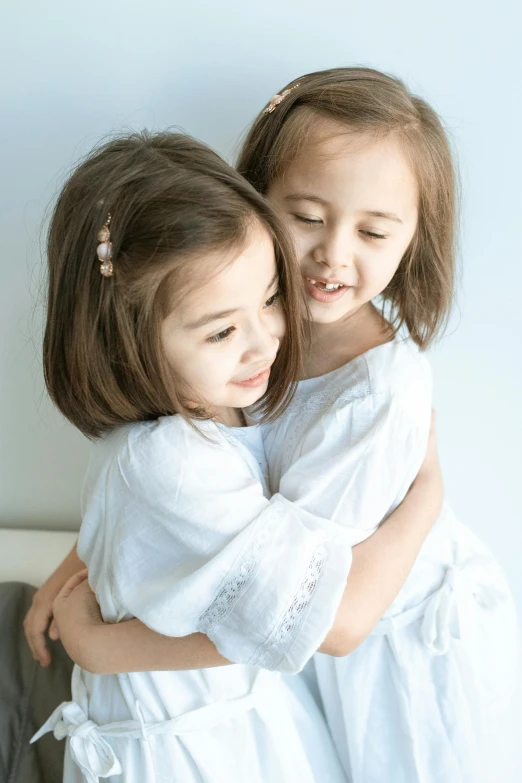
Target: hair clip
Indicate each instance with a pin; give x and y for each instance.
(276, 100)
(104, 250)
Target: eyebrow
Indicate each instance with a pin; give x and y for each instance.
(324, 203)
(306, 197)
(209, 317)
(206, 319)
(385, 215)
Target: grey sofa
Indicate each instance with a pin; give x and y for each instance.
(28, 695)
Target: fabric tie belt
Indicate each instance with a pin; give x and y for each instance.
(475, 577)
(95, 756)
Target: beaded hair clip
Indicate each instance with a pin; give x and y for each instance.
(276, 100)
(104, 250)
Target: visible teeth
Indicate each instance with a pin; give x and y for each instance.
(327, 286)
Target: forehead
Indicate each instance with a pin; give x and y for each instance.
(354, 169)
(231, 279)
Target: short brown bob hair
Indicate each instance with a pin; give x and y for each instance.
(365, 100)
(171, 199)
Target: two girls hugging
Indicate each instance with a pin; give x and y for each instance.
(264, 494)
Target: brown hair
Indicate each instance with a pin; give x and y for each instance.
(421, 292)
(171, 199)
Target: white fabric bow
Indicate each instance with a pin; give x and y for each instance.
(474, 577)
(89, 749)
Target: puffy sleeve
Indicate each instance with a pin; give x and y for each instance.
(197, 547)
(357, 461)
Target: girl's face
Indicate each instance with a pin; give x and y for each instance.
(224, 334)
(351, 205)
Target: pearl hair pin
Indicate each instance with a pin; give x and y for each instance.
(104, 249)
(276, 100)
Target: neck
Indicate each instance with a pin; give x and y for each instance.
(335, 344)
(231, 417)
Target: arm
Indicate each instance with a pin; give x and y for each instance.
(133, 647)
(110, 648)
(354, 465)
(380, 565)
(184, 540)
(40, 613)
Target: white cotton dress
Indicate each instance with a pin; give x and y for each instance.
(432, 696)
(177, 531)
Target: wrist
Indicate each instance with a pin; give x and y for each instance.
(89, 649)
(46, 593)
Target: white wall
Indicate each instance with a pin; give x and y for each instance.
(73, 72)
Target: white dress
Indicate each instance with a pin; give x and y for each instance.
(178, 532)
(431, 696)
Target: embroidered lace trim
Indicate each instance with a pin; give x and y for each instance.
(289, 429)
(270, 655)
(247, 564)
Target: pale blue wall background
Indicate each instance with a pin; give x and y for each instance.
(73, 72)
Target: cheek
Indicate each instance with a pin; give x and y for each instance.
(279, 328)
(210, 372)
(378, 268)
(302, 242)
(304, 245)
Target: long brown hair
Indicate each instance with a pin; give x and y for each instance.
(171, 199)
(365, 100)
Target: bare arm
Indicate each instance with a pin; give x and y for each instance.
(110, 648)
(379, 568)
(381, 565)
(40, 613)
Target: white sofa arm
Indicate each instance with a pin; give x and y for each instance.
(32, 555)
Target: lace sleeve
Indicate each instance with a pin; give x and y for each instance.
(279, 601)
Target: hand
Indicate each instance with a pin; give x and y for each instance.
(41, 610)
(75, 613)
(37, 621)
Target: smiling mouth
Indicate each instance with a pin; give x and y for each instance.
(324, 290)
(324, 286)
(255, 380)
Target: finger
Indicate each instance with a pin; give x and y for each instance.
(39, 648)
(71, 583)
(53, 631)
(35, 626)
(28, 624)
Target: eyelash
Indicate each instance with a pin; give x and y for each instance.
(227, 333)
(310, 222)
(222, 336)
(273, 299)
(371, 235)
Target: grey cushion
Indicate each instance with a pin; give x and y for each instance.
(28, 695)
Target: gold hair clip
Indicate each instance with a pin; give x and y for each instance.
(276, 100)
(104, 250)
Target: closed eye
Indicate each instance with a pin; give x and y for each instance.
(373, 235)
(308, 221)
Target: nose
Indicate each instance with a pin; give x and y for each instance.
(335, 248)
(262, 343)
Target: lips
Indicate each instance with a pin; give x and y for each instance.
(255, 380)
(324, 289)
(326, 284)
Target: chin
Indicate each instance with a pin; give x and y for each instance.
(245, 397)
(326, 313)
